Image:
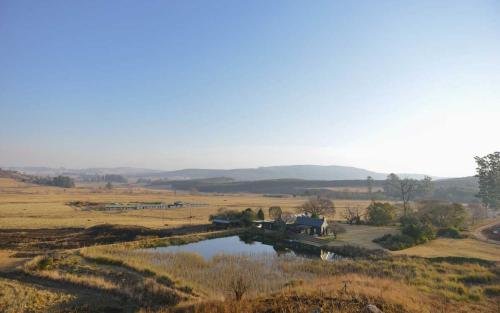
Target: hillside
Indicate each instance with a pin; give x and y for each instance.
(308, 172)
(305, 172)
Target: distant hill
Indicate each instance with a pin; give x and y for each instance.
(307, 172)
(469, 182)
(50, 171)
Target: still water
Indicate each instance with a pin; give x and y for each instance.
(240, 245)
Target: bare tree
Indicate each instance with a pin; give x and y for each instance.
(318, 206)
(404, 188)
(275, 212)
(239, 286)
(352, 215)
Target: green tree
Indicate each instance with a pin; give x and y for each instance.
(247, 216)
(442, 214)
(418, 228)
(488, 174)
(260, 214)
(379, 213)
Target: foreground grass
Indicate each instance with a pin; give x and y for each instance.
(17, 297)
(466, 285)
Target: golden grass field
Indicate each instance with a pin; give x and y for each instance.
(443, 247)
(32, 206)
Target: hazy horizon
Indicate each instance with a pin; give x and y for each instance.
(383, 86)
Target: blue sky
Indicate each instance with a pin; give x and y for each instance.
(404, 86)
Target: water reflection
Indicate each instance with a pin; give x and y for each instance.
(251, 245)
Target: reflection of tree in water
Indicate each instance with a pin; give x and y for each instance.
(247, 239)
(280, 250)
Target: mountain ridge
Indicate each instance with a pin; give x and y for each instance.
(306, 172)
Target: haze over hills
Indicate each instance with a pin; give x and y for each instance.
(307, 172)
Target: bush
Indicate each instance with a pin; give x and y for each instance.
(450, 232)
(418, 228)
(395, 242)
(379, 213)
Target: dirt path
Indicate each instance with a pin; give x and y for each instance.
(8, 262)
(478, 231)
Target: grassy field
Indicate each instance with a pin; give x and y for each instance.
(397, 283)
(70, 280)
(466, 248)
(31, 206)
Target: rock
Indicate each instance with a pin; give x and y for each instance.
(370, 308)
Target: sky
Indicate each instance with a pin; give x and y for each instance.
(390, 86)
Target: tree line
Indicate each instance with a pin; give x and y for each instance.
(58, 181)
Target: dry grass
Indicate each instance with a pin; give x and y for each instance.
(8, 262)
(362, 235)
(444, 247)
(32, 206)
(461, 284)
(16, 297)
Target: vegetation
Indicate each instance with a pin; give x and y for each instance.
(58, 181)
(379, 213)
(260, 214)
(317, 206)
(432, 218)
(442, 214)
(244, 217)
(275, 212)
(488, 173)
(411, 284)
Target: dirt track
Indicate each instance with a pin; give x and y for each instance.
(483, 232)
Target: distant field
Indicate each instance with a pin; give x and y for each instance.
(32, 206)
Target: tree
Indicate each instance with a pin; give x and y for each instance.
(318, 206)
(369, 183)
(425, 188)
(352, 215)
(488, 174)
(113, 178)
(391, 187)
(260, 214)
(442, 214)
(478, 212)
(247, 216)
(403, 188)
(109, 185)
(418, 228)
(379, 213)
(275, 212)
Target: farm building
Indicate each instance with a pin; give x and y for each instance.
(309, 225)
(134, 206)
(220, 222)
(263, 224)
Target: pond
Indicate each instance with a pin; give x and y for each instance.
(240, 245)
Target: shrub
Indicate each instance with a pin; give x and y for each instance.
(449, 232)
(395, 242)
(418, 228)
(379, 213)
